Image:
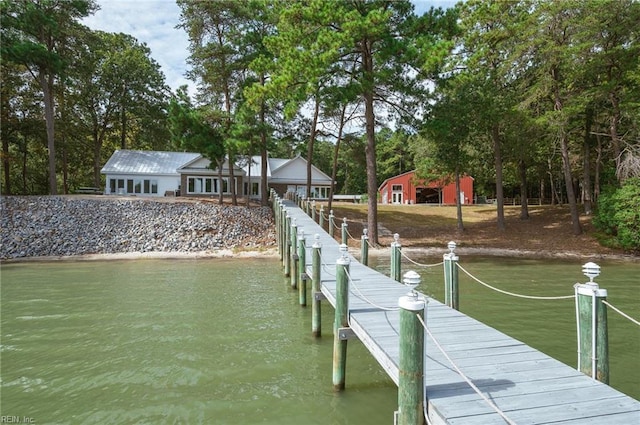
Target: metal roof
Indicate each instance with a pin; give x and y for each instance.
(147, 162)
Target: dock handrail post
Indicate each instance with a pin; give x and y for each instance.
(287, 245)
(331, 223)
(313, 210)
(450, 263)
(302, 260)
(277, 207)
(591, 318)
(316, 315)
(321, 219)
(411, 360)
(282, 231)
(294, 254)
(396, 272)
(344, 231)
(364, 248)
(341, 320)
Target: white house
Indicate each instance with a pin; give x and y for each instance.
(155, 173)
(145, 173)
(288, 175)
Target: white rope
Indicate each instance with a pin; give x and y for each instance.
(531, 297)
(365, 299)
(325, 266)
(468, 381)
(349, 234)
(626, 316)
(419, 264)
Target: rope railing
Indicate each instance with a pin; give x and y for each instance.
(350, 235)
(419, 264)
(325, 266)
(620, 312)
(463, 376)
(363, 297)
(531, 297)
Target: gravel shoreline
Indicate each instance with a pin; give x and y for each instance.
(33, 227)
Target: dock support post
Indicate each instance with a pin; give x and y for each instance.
(450, 261)
(364, 248)
(313, 210)
(294, 255)
(302, 260)
(411, 361)
(316, 315)
(331, 223)
(277, 215)
(341, 320)
(344, 231)
(282, 231)
(321, 219)
(396, 272)
(287, 246)
(307, 205)
(591, 317)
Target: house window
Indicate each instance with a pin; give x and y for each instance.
(129, 186)
(396, 188)
(255, 188)
(112, 185)
(137, 186)
(154, 186)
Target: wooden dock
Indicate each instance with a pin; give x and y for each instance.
(527, 386)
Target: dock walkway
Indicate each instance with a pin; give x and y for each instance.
(527, 386)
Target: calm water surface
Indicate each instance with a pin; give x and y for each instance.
(224, 341)
(192, 341)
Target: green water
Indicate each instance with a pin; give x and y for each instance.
(549, 326)
(176, 342)
(224, 341)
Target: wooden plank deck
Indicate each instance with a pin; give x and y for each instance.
(528, 386)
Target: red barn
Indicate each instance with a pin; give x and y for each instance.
(406, 188)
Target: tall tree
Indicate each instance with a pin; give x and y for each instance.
(33, 31)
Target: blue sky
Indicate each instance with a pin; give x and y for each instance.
(154, 22)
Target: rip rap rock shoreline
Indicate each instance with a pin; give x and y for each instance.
(59, 226)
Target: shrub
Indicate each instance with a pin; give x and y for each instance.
(618, 214)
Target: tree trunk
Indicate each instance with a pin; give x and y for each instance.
(334, 168)
(5, 166)
(586, 163)
(568, 180)
(221, 184)
(46, 83)
(613, 129)
(524, 200)
(497, 152)
(596, 178)
(459, 203)
(312, 139)
(264, 155)
(370, 150)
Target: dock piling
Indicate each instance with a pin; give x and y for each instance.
(364, 248)
(302, 259)
(591, 317)
(321, 218)
(316, 315)
(396, 272)
(331, 223)
(287, 246)
(411, 361)
(450, 260)
(341, 320)
(344, 231)
(293, 253)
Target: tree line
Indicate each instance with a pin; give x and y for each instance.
(533, 98)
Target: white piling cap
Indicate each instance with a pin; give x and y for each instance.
(452, 246)
(591, 270)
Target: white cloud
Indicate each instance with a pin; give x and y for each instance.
(152, 22)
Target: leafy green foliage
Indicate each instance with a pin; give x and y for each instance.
(618, 215)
